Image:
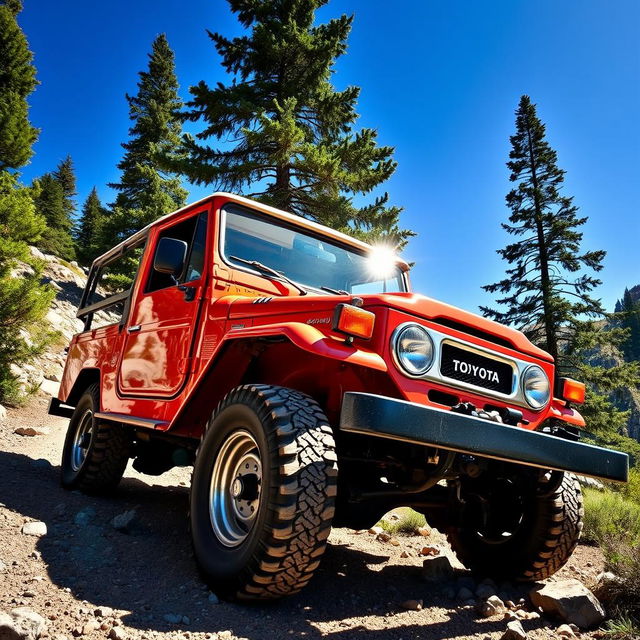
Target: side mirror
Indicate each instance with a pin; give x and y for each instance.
(170, 256)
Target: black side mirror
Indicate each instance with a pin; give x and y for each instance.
(170, 256)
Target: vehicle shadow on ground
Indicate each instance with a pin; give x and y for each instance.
(151, 572)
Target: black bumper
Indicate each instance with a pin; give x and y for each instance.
(56, 408)
(384, 417)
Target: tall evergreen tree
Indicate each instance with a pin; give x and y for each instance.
(66, 177)
(629, 314)
(89, 237)
(547, 293)
(145, 190)
(293, 139)
(52, 199)
(17, 81)
(23, 299)
(546, 289)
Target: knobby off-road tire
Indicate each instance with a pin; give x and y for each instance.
(282, 442)
(549, 532)
(95, 453)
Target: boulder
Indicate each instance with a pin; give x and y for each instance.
(437, 568)
(571, 601)
(21, 624)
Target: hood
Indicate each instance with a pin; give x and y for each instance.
(455, 318)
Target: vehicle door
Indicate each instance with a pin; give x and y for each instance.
(160, 333)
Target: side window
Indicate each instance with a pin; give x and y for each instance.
(109, 286)
(194, 232)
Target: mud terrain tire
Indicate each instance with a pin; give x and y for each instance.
(550, 530)
(273, 551)
(95, 453)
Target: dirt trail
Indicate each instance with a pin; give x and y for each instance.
(148, 575)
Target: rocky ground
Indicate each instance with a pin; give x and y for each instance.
(122, 568)
(87, 578)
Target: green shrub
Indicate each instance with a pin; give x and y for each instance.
(408, 523)
(610, 516)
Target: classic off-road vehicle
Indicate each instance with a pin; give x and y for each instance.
(293, 367)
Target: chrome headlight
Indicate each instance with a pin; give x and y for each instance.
(414, 349)
(536, 387)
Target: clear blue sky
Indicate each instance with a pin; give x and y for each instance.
(440, 81)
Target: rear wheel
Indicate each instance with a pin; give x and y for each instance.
(263, 493)
(518, 528)
(95, 453)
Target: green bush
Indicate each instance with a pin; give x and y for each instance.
(610, 515)
(408, 523)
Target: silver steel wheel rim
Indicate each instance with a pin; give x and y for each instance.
(81, 440)
(236, 488)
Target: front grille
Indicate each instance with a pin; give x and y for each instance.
(473, 368)
(473, 331)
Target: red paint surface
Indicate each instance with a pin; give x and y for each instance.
(187, 355)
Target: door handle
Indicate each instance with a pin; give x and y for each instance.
(134, 328)
(189, 292)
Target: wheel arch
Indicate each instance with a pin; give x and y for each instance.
(85, 378)
(276, 360)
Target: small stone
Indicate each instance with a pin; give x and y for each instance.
(89, 627)
(31, 431)
(374, 531)
(412, 605)
(496, 603)
(464, 594)
(125, 522)
(3, 413)
(514, 631)
(484, 591)
(117, 633)
(429, 551)
(565, 631)
(404, 554)
(424, 532)
(394, 542)
(29, 594)
(186, 620)
(436, 569)
(84, 517)
(486, 610)
(383, 537)
(103, 612)
(34, 529)
(3, 567)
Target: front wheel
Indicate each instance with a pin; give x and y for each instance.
(518, 527)
(262, 493)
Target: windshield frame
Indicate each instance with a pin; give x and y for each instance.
(265, 217)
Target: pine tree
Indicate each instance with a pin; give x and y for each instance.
(66, 177)
(145, 190)
(89, 237)
(296, 146)
(629, 314)
(17, 81)
(546, 292)
(23, 299)
(546, 289)
(52, 201)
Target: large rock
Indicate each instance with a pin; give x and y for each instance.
(571, 601)
(34, 529)
(437, 568)
(21, 624)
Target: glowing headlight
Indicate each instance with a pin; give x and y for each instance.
(536, 387)
(414, 349)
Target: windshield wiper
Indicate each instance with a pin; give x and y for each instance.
(337, 292)
(268, 271)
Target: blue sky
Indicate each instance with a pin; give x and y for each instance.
(440, 82)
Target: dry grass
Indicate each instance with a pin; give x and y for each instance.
(408, 522)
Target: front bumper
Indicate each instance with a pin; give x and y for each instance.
(384, 417)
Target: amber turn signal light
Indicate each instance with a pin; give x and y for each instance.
(571, 390)
(353, 321)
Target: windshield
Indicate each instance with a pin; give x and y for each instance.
(303, 257)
